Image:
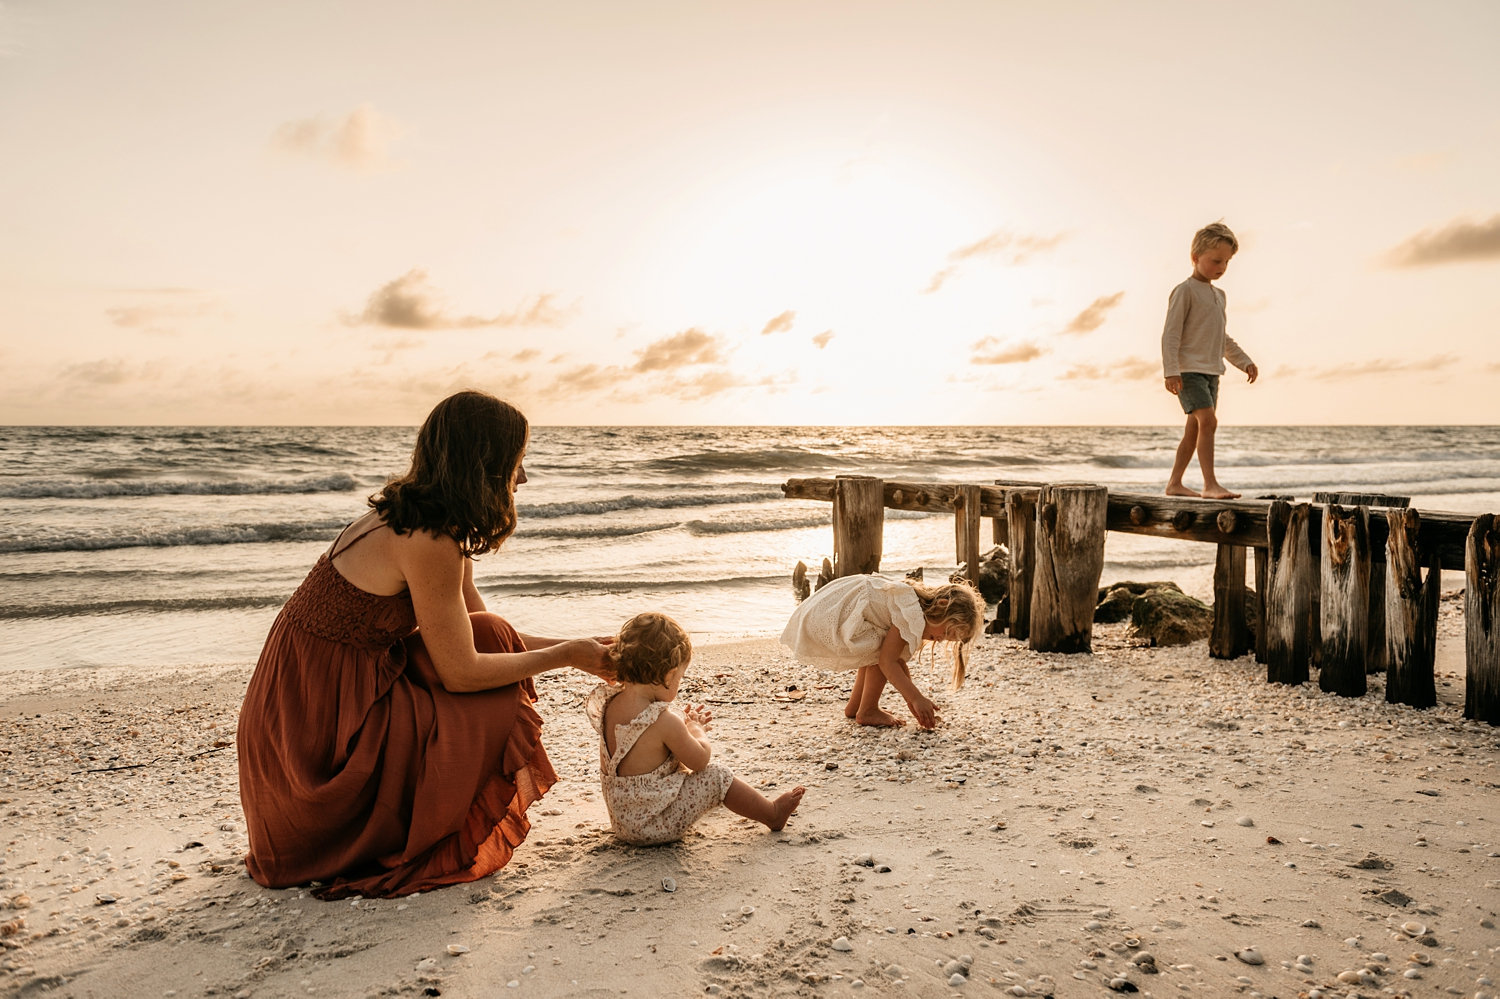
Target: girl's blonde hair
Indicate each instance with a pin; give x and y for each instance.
(959, 608)
(648, 647)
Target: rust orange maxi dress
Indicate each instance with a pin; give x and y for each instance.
(360, 770)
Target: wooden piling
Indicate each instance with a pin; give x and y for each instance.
(1290, 571)
(1020, 515)
(966, 521)
(1410, 613)
(1070, 527)
(1262, 573)
(858, 524)
(1345, 608)
(1229, 638)
(1375, 644)
(1482, 620)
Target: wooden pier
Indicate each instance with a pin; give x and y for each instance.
(1338, 580)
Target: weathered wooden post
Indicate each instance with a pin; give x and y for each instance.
(966, 522)
(1020, 514)
(1410, 613)
(1290, 572)
(858, 524)
(1482, 620)
(1375, 656)
(1229, 638)
(1345, 610)
(1070, 519)
(1262, 573)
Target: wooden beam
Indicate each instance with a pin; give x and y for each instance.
(1154, 515)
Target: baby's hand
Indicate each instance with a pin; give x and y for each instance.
(924, 711)
(698, 715)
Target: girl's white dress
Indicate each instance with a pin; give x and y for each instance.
(655, 807)
(843, 624)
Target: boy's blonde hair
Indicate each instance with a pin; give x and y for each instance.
(959, 608)
(1212, 235)
(648, 647)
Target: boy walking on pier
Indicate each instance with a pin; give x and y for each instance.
(1194, 346)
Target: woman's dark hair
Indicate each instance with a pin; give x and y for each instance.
(462, 477)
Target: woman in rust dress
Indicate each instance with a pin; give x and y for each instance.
(389, 741)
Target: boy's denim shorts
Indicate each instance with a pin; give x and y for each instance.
(1199, 391)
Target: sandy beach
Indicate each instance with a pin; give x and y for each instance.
(1135, 820)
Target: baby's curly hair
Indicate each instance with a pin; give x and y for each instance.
(648, 647)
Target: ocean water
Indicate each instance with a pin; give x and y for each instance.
(161, 546)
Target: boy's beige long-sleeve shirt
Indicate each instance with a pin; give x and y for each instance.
(1195, 336)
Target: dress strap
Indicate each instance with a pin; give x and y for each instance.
(333, 554)
(629, 733)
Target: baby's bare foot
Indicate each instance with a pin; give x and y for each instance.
(1218, 492)
(785, 805)
(1182, 491)
(879, 717)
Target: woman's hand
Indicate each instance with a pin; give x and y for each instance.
(590, 655)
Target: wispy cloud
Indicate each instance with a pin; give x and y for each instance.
(820, 340)
(712, 382)
(522, 356)
(1011, 248)
(410, 303)
(692, 346)
(1455, 242)
(585, 378)
(992, 350)
(780, 324)
(104, 372)
(359, 141)
(1380, 366)
(1129, 369)
(1093, 317)
(161, 310)
(11, 24)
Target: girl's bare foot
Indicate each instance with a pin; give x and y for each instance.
(1218, 492)
(879, 717)
(785, 805)
(1181, 490)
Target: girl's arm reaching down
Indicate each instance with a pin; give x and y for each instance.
(893, 665)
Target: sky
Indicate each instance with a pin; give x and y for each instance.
(757, 212)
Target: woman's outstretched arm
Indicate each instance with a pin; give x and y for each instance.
(438, 576)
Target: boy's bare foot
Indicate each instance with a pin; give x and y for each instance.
(1218, 492)
(1181, 490)
(785, 805)
(879, 717)
(850, 710)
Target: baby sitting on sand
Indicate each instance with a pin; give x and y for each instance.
(654, 761)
